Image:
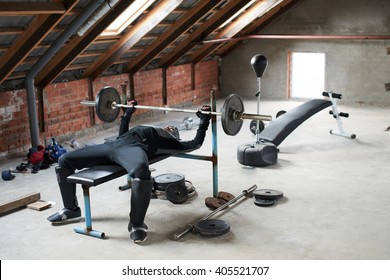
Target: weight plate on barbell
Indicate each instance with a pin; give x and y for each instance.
(267, 194)
(176, 193)
(233, 103)
(104, 100)
(212, 227)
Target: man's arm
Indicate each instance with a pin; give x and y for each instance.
(170, 145)
(125, 119)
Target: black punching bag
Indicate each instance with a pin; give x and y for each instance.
(259, 64)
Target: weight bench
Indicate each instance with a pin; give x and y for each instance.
(278, 129)
(265, 151)
(95, 176)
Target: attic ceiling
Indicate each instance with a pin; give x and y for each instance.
(168, 32)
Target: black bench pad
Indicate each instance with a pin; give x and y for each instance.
(100, 174)
(278, 129)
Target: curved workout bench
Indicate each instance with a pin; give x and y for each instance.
(278, 129)
(265, 151)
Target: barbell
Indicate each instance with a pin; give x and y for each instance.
(108, 104)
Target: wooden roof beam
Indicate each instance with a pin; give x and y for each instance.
(31, 38)
(243, 20)
(203, 31)
(227, 47)
(170, 35)
(77, 45)
(131, 37)
(32, 8)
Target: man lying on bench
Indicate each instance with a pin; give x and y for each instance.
(132, 150)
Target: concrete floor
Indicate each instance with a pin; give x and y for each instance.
(336, 201)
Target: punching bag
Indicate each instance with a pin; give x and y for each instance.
(259, 64)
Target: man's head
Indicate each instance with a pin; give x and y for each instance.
(173, 130)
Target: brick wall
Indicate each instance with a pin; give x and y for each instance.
(65, 117)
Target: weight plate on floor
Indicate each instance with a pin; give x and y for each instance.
(267, 194)
(233, 103)
(103, 107)
(212, 227)
(191, 189)
(163, 180)
(264, 202)
(214, 202)
(225, 196)
(253, 126)
(176, 193)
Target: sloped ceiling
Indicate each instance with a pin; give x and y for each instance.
(168, 32)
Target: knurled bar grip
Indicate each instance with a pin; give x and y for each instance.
(190, 227)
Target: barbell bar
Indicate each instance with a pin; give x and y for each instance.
(108, 104)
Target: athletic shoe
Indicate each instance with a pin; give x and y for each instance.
(66, 215)
(138, 234)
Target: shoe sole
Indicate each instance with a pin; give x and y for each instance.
(139, 241)
(67, 221)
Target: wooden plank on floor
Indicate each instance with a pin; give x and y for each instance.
(20, 202)
(39, 205)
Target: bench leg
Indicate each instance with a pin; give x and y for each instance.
(88, 218)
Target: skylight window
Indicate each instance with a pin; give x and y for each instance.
(237, 14)
(127, 17)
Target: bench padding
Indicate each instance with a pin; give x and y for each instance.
(278, 129)
(100, 174)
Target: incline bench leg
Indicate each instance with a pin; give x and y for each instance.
(88, 218)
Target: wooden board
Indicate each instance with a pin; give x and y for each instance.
(39, 205)
(20, 202)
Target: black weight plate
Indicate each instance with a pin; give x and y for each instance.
(264, 202)
(225, 196)
(176, 193)
(233, 103)
(267, 194)
(214, 202)
(163, 180)
(253, 126)
(212, 227)
(104, 100)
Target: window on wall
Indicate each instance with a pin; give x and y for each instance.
(307, 75)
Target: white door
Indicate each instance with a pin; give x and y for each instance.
(307, 72)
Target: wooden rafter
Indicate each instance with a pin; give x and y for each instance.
(131, 37)
(31, 38)
(77, 45)
(226, 48)
(247, 17)
(175, 30)
(213, 22)
(32, 8)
